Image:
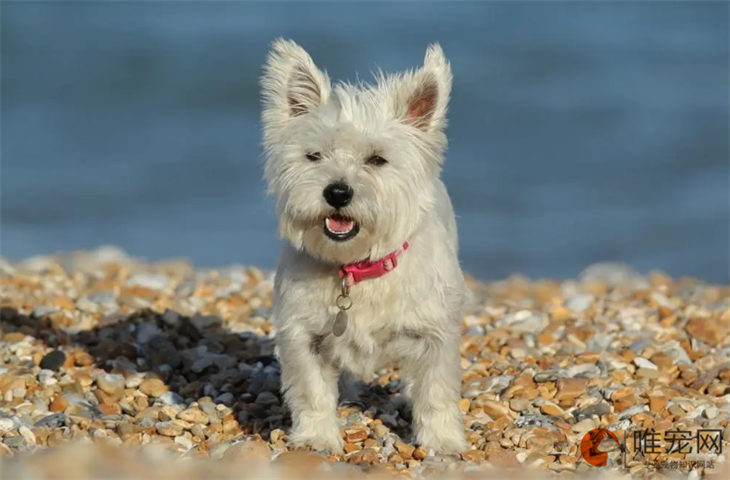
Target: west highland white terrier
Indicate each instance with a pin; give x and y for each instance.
(369, 275)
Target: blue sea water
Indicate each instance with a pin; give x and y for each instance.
(580, 131)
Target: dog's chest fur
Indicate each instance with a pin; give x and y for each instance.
(377, 332)
(376, 336)
(392, 316)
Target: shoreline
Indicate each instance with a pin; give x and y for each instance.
(147, 354)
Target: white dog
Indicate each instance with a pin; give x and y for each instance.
(369, 276)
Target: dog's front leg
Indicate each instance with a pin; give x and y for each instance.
(310, 390)
(435, 384)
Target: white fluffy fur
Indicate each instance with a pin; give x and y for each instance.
(409, 316)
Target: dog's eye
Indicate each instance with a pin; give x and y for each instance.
(376, 160)
(314, 157)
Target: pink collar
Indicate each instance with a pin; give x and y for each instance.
(357, 272)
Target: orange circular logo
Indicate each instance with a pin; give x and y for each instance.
(589, 446)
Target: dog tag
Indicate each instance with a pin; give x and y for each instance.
(340, 325)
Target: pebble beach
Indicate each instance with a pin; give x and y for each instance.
(105, 359)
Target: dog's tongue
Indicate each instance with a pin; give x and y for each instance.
(339, 224)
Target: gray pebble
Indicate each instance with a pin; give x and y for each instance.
(583, 370)
(580, 302)
(225, 398)
(631, 411)
(55, 420)
(171, 317)
(171, 398)
(146, 331)
(599, 409)
(42, 311)
(15, 441)
(202, 322)
(6, 424)
(549, 375)
(499, 383)
(153, 281)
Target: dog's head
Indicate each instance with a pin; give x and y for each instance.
(352, 167)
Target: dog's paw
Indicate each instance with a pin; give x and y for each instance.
(320, 437)
(446, 441)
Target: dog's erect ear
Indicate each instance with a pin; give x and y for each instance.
(291, 85)
(422, 98)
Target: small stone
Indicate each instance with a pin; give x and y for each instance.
(657, 402)
(380, 430)
(110, 408)
(251, 449)
(47, 377)
(709, 331)
(27, 435)
(644, 363)
(110, 383)
(43, 310)
(267, 399)
(495, 409)
(355, 435)
(351, 447)
(184, 441)
(171, 398)
(169, 429)
(519, 404)
(584, 425)
(153, 387)
(631, 411)
(53, 360)
(203, 322)
(549, 408)
(405, 450)
(171, 317)
(475, 456)
(14, 337)
(550, 375)
(503, 458)
(570, 388)
(225, 398)
(15, 441)
(420, 453)
(525, 321)
(82, 358)
(598, 409)
(499, 383)
(193, 415)
(662, 361)
(151, 281)
(55, 420)
(623, 398)
(6, 424)
(59, 404)
(579, 303)
(276, 434)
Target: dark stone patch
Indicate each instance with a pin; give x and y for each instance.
(53, 360)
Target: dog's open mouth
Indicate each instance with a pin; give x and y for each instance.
(340, 228)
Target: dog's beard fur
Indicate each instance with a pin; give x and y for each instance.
(316, 137)
(401, 119)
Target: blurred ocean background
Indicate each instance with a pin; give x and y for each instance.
(580, 132)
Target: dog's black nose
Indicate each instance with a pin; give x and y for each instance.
(338, 194)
